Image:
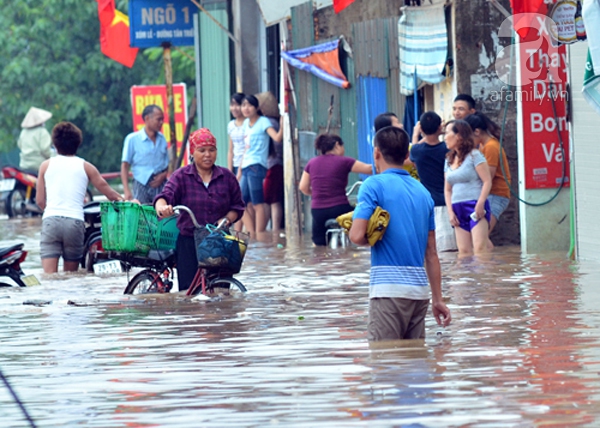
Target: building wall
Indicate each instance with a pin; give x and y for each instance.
(215, 80)
(586, 159)
(249, 30)
(331, 25)
(366, 27)
(476, 45)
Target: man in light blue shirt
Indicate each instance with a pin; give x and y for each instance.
(145, 152)
(404, 263)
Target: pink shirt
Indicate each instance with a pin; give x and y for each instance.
(328, 180)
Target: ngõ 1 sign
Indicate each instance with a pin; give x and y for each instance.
(153, 22)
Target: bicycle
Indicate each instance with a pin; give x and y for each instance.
(158, 275)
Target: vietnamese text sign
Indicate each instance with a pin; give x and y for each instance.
(544, 96)
(142, 96)
(153, 22)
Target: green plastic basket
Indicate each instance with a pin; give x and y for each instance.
(166, 234)
(128, 227)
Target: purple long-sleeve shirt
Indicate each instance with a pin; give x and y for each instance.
(209, 204)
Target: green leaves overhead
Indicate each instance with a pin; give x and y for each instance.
(50, 58)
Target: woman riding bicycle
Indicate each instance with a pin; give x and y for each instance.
(325, 178)
(210, 191)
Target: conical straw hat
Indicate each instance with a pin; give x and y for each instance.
(268, 104)
(35, 117)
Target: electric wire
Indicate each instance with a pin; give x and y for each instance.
(17, 399)
(560, 140)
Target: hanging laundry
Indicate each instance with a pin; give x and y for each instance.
(423, 43)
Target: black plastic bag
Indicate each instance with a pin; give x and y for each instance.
(215, 251)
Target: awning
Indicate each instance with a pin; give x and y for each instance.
(280, 10)
(322, 60)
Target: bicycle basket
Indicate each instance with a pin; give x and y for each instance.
(220, 250)
(166, 234)
(127, 227)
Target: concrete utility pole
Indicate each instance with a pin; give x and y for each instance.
(171, 111)
(293, 228)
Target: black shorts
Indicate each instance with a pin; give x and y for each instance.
(320, 216)
(187, 261)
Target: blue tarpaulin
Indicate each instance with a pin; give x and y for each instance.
(371, 101)
(322, 60)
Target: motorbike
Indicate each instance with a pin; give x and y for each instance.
(335, 235)
(93, 235)
(11, 273)
(17, 189)
(93, 251)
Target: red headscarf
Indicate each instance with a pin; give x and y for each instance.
(202, 138)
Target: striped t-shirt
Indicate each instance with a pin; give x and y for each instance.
(397, 260)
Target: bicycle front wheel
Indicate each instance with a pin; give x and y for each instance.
(145, 282)
(226, 286)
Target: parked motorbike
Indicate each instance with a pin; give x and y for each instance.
(93, 252)
(335, 235)
(17, 188)
(11, 273)
(93, 235)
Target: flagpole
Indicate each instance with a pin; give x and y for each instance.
(170, 109)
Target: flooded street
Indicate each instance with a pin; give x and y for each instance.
(522, 351)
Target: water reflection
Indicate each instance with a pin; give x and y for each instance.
(522, 350)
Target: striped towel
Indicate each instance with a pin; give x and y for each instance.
(423, 42)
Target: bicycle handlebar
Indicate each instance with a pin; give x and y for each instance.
(354, 186)
(178, 208)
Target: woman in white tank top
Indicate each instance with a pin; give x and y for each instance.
(60, 192)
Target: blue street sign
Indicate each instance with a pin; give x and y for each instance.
(153, 22)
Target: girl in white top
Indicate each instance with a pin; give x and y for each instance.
(235, 130)
(60, 191)
(257, 131)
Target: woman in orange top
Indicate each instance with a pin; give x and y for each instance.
(490, 147)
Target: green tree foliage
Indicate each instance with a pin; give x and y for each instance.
(50, 58)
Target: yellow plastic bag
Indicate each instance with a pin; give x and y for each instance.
(241, 243)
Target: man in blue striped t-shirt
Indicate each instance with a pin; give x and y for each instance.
(404, 262)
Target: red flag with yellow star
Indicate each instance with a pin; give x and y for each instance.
(114, 34)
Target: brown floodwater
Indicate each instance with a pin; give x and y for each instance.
(522, 351)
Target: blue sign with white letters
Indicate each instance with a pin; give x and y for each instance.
(153, 22)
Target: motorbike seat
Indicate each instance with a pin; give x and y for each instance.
(332, 224)
(5, 251)
(160, 254)
(24, 171)
(91, 215)
(92, 208)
